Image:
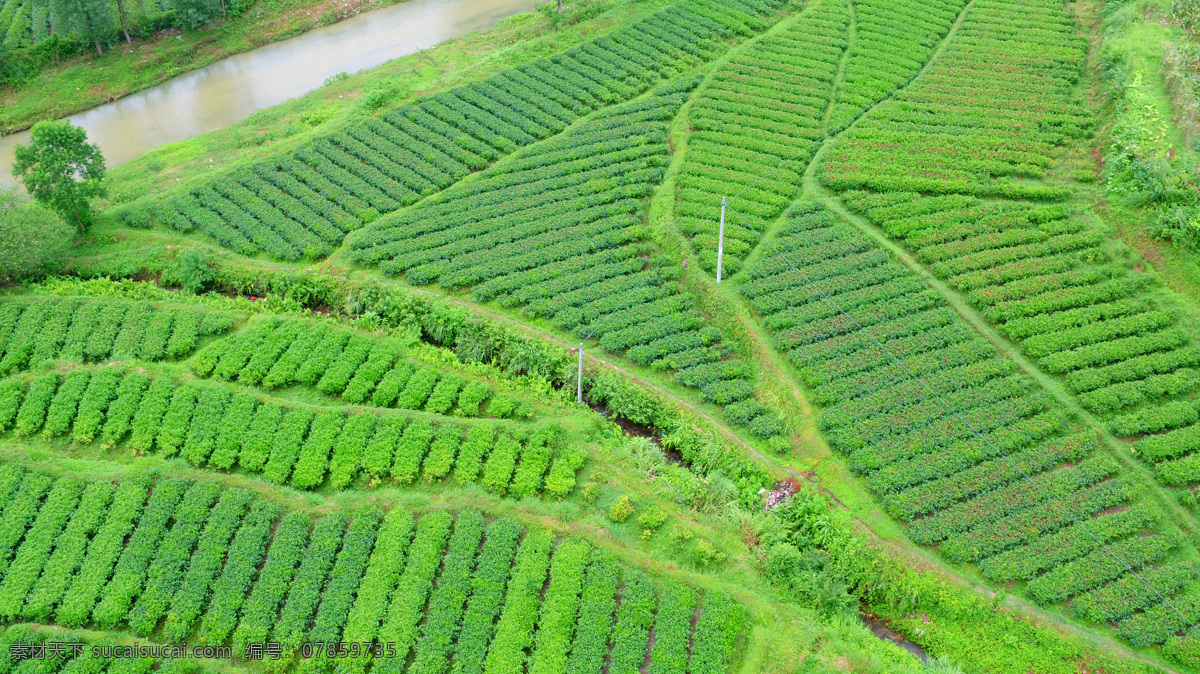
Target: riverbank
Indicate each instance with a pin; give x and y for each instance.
(476, 55)
(89, 80)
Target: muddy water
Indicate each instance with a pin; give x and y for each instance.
(230, 90)
(885, 632)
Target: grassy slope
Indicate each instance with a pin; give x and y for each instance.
(1139, 33)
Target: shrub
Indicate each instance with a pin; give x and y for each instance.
(383, 572)
(256, 449)
(338, 595)
(314, 456)
(285, 445)
(146, 422)
(106, 545)
(441, 452)
(417, 390)
(410, 450)
(149, 545)
(487, 595)
(233, 431)
(258, 613)
(175, 422)
(444, 394)
(498, 470)
(595, 624)
(556, 624)
(471, 455)
(32, 239)
(348, 452)
(621, 510)
(444, 613)
(305, 588)
(68, 554)
(672, 629)
(377, 457)
(193, 592)
(514, 630)
(122, 410)
(412, 591)
(393, 382)
(241, 565)
(473, 395)
(205, 424)
(66, 402)
(35, 549)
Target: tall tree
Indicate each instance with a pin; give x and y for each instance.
(90, 20)
(61, 170)
(124, 26)
(39, 20)
(8, 12)
(18, 34)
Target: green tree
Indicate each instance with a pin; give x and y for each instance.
(61, 170)
(32, 239)
(191, 14)
(90, 20)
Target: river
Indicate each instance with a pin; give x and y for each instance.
(232, 89)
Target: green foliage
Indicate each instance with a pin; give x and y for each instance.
(170, 557)
(411, 449)
(262, 605)
(32, 240)
(61, 169)
(195, 270)
(206, 561)
(514, 630)
(556, 622)
(411, 592)
(33, 552)
(45, 591)
(240, 569)
(445, 610)
(621, 510)
(338, 595)
(348, 452)
(304, 592)
(84, 587)
(383, 571)
(635, 616)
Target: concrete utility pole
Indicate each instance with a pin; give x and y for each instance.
(721, 240)
(579, 377)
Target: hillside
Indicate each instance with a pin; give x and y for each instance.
(703, 336)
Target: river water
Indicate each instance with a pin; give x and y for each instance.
(232, 89)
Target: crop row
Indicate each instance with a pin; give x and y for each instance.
(303, 204)
(554, 230)
(39, 331)
(279, 352)
(208, 425)
(1041, 275)
(216, 566)
(745, 121)
(954, 452)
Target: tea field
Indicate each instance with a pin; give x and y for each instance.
(451, 384)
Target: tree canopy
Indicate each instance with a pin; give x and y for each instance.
(62, 170)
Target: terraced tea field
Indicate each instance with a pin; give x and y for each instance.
(449, 384)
